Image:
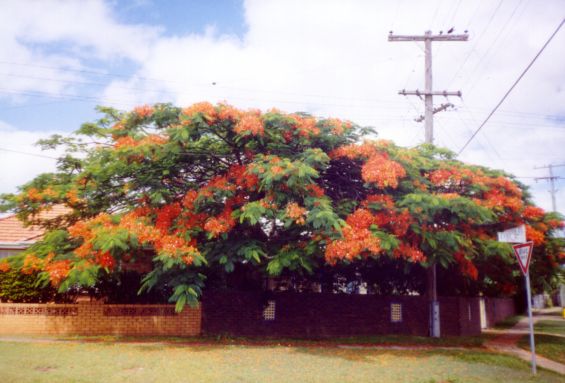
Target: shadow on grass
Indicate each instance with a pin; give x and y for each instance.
(508, 322)
(226, 340)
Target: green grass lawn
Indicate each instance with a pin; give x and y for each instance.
(548, 345)
(550, 326)
(127, 362)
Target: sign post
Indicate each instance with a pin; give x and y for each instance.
(523, 253)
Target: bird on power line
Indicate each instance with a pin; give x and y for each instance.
(451, 30)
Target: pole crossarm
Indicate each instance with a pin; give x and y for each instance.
(551, 178)
(440, 108)
(418, 92)
(549, 166)
(437, 37)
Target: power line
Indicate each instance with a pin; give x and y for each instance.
(487, 51)
(28, 154)
(476, 41)
(513, 86)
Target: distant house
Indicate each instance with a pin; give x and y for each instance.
(15, 237)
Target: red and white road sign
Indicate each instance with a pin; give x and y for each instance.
(523, 253)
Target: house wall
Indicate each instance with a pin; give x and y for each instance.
(97, 319)
(332, 315)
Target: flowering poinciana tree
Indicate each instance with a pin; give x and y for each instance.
(210, 188)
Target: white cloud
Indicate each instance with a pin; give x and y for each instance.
(40, 39)
(23, 160)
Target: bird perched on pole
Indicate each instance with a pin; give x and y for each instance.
(451, 30)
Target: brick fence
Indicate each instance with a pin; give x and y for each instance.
(236, 313)
(332, 315)
(498, 309)
(98, 319)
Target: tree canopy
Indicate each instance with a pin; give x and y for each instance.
(209, 188)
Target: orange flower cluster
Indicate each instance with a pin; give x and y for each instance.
(442, 176)
(360, 219)
(533, 213)
(4, 266)
(381, 171)
(105, 260)
(220, 224)
(250, 123)
(83, 229)
(466, 266)
(409, 252)
(296, 213)
(353, 151)
(72, 196)
(228, 112)
(239, 175)
(378, 168)
(58, 271)
(130, 142)
(496, 198)
(32, 264)
(337, 126)
(535, 235)
(504, 184)
(454, 176)
(355, 242)
(400, 222)
(315, 190)
(206, 109)
(189, 220)
(36, 195)
(166, 215)
(174, 246)
(268, 202)
(306, 126)
(84, 250)
(144, 111)
(189, 199)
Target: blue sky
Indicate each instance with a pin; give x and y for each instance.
(330, 58)
(173, 17)
(185, 17)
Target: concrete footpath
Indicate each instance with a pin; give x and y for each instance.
(506, 341)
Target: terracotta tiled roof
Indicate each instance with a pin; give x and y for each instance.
(12, 230)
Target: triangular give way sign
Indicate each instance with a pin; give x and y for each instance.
(523, 253)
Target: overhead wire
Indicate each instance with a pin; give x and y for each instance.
(513, 86)
(28, 154)
(495, 11)
(491, 46)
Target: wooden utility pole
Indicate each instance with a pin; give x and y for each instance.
(429, 94)
(551, 178)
